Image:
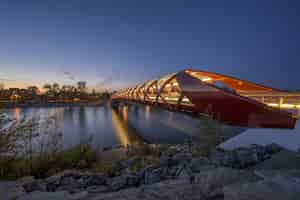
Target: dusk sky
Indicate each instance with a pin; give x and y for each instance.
(120, 43)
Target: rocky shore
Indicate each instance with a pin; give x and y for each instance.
(255, 172)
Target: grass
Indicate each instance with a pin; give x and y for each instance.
(47, 164)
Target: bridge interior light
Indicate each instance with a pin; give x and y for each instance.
(185, 99)
(206, 79)
(288, 106)
(273, 104)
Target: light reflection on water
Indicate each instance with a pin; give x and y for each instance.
(126, 125)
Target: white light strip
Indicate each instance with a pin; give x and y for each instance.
(284, 105)
(273, 104)
(288, 106)
(185, 99)
(206, 79)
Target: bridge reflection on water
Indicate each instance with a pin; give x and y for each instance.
(136, 124)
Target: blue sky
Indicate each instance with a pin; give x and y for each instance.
(120, 43)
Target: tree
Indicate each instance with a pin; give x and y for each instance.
(34, 90)
(47, 87)
(81, 86)
(56, 87)
(1, 86)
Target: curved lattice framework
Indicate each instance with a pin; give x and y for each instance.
(225, 98)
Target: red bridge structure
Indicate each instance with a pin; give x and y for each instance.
(224, 98)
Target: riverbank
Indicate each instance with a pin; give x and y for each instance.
(172, 172)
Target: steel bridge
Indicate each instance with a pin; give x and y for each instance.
(227, 99)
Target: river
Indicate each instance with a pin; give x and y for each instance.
(104, 126)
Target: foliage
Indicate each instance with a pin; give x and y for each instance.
(47, 164)
(109, 167)
(25, 151)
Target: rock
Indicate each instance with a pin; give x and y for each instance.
(167, 161)
(213, 180)
(37, 195)
(98, 179)
(183, 156)
(9, 190)
(94, 179)
(35, 185)
(53, 179)
(52, 182)
(260, 152)
(245, 157)
(273, 148)
(62, 179)
(25, 180)
(222, 158)
(129, 162)
(185, 174)
(132, 181)
(82, 164)
(17, 192)
(277, 188)
(164, 172)
(29, 183)
(79, 196)
(151, 177)
(172, 189)
(97, 189)
(283, 160)
(118, 183)
(67, 180)
(72, 187)
(269, 174)
(197, 163)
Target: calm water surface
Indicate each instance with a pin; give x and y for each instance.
(138, 124)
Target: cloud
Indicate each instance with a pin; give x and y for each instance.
(69, 75)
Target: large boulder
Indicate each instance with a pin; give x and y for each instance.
(118, 182)
(212, 181)
(260, 152)
(151, 177)
(276, 188)
(273, 148)
(167, 190)
(245, 157)
(269, 174)
(10, 190)
(185, 173)
(220, 157)
(197, 163)
(285, 159)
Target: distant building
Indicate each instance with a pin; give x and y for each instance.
(81, 86)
